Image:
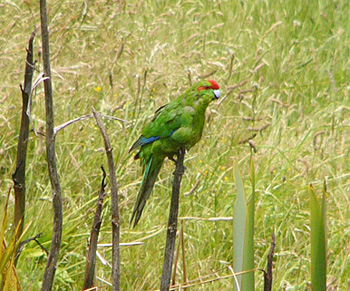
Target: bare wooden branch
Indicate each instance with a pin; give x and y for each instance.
(18, 176)
(23, 243)
(41, 78)
(268, 273)
(64, 125)
(115, 207)
(51, 264)
(172, 222)
(114, 118)
(95, 230)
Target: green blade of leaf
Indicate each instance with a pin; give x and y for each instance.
(10, 250)
(248, 260)
(243, 229)
(239, 225)
(3, 224)
(318, 243)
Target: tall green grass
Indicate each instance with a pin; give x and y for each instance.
(279, 63)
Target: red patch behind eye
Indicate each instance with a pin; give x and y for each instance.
(213, 86)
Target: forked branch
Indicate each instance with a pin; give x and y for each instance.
(115, 207)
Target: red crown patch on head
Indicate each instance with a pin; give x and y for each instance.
(213, 86)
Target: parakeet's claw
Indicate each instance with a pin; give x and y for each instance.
(179, 172)
(171, 158)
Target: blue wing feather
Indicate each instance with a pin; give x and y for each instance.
(146, 140)
(143, 141)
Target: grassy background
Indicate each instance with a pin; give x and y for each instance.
(289, 61)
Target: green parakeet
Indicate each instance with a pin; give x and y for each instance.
(176, 125)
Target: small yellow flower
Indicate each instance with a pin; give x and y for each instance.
(97, 89)
(154, 89)
(223, 168)
(151, 97)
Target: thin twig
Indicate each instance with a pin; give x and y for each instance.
(115, 207)
(42, 247)
(23, 243)
(114, 118)
(172, 222)
(41, 78)
(51, 265)
(64, 125)
(95, 230)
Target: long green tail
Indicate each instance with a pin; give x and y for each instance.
(149, 178)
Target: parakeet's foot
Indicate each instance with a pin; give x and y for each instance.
(171, 158)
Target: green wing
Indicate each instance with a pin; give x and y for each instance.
(165, 121)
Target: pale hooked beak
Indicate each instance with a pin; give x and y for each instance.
(217, 93)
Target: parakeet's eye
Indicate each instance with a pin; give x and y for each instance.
(203, 88)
